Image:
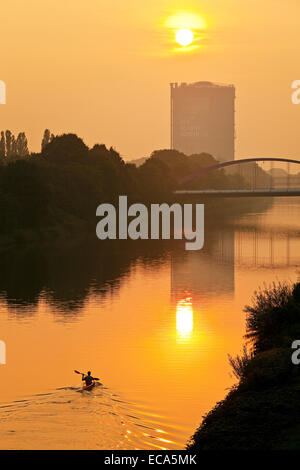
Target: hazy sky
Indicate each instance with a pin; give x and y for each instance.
(102, 69)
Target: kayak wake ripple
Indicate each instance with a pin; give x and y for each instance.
(97, 419)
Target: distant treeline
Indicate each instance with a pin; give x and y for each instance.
(61, 186)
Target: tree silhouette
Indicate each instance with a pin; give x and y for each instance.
(47, 138)
(65, 148)
(13, 148)
(8, 141)
(21, 145)
(2, 148)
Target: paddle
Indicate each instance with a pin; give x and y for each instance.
(81, 373)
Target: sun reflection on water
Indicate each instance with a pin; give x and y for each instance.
(184, 319)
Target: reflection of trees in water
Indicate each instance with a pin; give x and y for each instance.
(64, 275)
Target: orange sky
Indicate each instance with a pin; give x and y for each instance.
(102, 69)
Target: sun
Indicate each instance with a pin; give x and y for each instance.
(187, 29)
(184, 37)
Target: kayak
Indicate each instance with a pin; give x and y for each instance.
(89, 387)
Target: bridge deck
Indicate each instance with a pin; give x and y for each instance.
(239, 192)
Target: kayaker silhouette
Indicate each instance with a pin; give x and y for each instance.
(88, 378)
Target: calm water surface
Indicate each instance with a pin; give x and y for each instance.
(155, 325)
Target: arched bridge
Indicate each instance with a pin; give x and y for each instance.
(287, 185)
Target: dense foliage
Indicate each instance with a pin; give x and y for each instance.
(63, 185)
(262, 411)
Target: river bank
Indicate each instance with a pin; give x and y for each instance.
(262, 411)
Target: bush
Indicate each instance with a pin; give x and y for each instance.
(274, 317)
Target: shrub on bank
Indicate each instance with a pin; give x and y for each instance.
(261, 411)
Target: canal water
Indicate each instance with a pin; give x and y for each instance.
(154, 322)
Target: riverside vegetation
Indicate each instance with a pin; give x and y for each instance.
(43, 195)
(263, 410)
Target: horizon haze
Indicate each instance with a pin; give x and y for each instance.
(103, 71)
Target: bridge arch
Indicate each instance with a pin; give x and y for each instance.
(218, 166)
